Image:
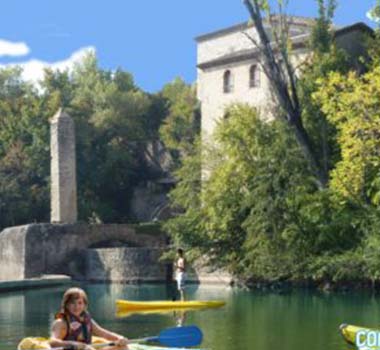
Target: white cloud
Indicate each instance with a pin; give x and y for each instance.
(33, 70)
(8, 48)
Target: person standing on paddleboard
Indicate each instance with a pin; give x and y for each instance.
(73, 327)
(180, 267)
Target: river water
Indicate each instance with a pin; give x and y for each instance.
(298, 320)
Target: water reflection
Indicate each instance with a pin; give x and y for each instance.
(250, 320)
(179, 317)
(11, 306)
(22, 313)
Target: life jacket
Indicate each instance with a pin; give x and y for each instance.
(78, 328)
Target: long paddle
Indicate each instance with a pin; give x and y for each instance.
(171, 337)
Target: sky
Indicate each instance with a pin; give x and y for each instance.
(151, 39)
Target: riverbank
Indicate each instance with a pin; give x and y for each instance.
(320, 285)
(40, 282)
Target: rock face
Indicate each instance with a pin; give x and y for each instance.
(63, 169)
(202, 271)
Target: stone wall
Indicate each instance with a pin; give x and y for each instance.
(230, 43)
(12, 253)
(125, 265)
(78, 250)
(214, 100)
(221, 45)
(232, 40)
(32, 250)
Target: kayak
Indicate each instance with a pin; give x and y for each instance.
(167, 305)
(177, 312)
(40, 343)
(349, 333)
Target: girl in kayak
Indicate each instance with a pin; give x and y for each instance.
(180, 273)
(74, 326)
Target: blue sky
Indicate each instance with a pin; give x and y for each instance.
(152, 39)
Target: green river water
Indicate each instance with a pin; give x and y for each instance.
(299, 320)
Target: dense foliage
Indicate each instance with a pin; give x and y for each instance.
(116, 123)
(24, 151)
(259, 211)
(182, 124)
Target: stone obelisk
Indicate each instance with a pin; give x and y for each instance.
(63, 169)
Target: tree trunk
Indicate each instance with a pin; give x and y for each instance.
(283, 83)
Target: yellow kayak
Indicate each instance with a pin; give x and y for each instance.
(167, 305)
(40, 343)
(31, 343)
(349, 333)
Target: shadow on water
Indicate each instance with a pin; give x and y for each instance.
(297, 320)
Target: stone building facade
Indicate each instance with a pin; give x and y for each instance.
(228, 69)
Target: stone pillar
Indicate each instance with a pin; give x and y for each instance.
(63, 169)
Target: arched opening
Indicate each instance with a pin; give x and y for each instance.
(254, 76)
(227, 82)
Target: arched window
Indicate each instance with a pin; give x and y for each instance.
(227, 82)
(254, 76)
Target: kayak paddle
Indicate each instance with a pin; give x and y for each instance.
(172, 337)
(177, 337)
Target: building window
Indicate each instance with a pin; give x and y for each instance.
(254, 76)
(227, 82)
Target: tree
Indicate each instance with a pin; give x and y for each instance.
(182, 123)
(24, 152)
(374, 13)
(351, 103)
(112, 121)
(116, 122)
(259, 212)
(282, 77)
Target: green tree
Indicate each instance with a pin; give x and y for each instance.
(24, 152)
(351, 103)
(258, 212)
(115, 125)
(182, 123)
(281, 73)
(374, 13)
(112, 120)
(325, 58)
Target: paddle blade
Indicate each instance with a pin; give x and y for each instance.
(181, 336)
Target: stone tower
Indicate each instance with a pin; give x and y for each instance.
(63, 169)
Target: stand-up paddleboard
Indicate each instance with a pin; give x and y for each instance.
(128, 305)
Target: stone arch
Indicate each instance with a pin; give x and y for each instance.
(38, 249)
